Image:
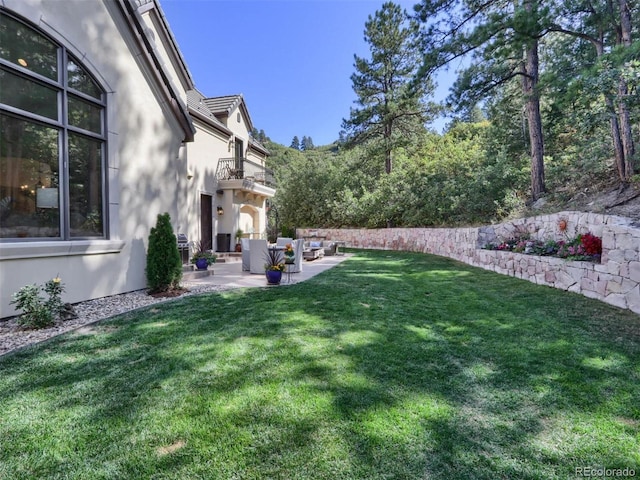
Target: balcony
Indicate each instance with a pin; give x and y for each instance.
(243, 169)
(242, 175)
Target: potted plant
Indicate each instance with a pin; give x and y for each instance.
(239, 234)
(289, 254)
(202, 257)
(273, 267)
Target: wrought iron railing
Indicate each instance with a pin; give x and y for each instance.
(243, 169)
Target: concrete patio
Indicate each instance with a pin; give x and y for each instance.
(230, 274)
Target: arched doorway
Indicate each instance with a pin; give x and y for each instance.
(249, 221)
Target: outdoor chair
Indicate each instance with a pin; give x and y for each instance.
(282, 241)
(246, 255)
(298, 249)
(257, 255)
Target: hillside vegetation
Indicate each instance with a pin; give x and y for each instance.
(459, 178)
(546, 117)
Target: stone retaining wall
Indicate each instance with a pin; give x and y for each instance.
(616, 280)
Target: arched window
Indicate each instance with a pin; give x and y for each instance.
(52, 139)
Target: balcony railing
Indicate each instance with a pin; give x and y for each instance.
(243, 169)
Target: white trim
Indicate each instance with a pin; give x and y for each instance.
(22, 250)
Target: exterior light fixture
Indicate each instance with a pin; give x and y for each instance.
(220, 210)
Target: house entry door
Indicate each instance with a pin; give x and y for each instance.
(206, 221)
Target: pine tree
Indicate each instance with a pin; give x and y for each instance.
(307, 144)
(164, 267)
(502, 37)
(391, 105)
(295, 143)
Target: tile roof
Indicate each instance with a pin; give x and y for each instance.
(197, 103)
(214, 108)
(223, 105)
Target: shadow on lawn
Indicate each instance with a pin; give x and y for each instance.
(407, 365)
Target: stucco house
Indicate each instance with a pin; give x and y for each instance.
(101, 129)
(229, 179)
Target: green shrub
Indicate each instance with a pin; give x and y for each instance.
(164, 267)
(38, 312)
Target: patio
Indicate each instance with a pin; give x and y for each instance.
(230, 274)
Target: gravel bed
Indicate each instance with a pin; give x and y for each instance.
(13, 336)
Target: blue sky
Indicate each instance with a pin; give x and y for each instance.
(291, 59)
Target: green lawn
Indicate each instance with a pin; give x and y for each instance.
(389, 366)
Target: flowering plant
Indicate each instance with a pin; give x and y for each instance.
(37, 311)
(273, 261)
(288, 250)
(583, 247)
(592, 244)
(202, 252)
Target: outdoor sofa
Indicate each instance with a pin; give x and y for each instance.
(324, 247)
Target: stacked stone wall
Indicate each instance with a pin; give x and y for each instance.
(616, 280)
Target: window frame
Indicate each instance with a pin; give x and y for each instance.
(65, 128)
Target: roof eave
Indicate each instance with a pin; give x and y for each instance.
(130, 12)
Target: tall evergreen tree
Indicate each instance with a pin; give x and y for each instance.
(607, 27)
(295, 143)
(307, 144)
(390, 106)
(502, 37)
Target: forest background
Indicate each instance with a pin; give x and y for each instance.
(546, 116)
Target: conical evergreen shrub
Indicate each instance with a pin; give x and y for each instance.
(164, 267)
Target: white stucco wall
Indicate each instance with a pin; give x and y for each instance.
(146, 175)
(203, 154)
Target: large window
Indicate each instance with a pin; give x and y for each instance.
(52, 139)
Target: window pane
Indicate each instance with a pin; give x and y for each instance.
(23, 46)
(27, 95)
(85, 187)
(84, 115)
(79, 79)
(29, 176)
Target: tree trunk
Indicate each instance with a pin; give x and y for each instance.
(532, 96)
(618, 149)
(616, 139)
(387, 148)
(623, 110)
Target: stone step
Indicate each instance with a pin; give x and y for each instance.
(194, 274)
(228, 257)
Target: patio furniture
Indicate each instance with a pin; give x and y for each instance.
(313, 252)
(288, 270)
(246, 255)
(257, 256)
(298, 249)
(329, 247)
(282, 241)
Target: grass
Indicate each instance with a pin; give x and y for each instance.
(389, 366)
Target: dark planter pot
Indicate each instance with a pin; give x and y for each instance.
(273, 277)
(202, 264)
(238, 247)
